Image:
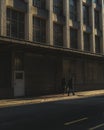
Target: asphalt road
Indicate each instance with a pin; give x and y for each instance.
(76, 114)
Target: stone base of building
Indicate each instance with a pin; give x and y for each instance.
(35, 73)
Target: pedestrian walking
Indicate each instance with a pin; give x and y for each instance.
(70, 87)
(63, 84)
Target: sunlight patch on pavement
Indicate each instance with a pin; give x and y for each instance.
(75, 121)
(96, 127)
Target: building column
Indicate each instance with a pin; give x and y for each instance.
(93, 28)
(29, 22)
(66, 29)
(49, 27)
(102, 27)
(3, 17)
(80, 32)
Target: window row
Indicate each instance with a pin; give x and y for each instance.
(16, 29)
(86, 40)
(58, 8)
(73, 4)
(86, 14)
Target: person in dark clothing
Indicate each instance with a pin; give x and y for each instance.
(70, 87)
(63, 83)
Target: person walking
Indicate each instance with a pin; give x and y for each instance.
(63, 83)
(70, 87)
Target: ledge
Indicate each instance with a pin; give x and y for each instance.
(34, 45)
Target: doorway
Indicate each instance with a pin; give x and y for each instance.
(19, 89)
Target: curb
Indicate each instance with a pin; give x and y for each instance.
(48, 98)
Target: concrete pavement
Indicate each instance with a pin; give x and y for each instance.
(48, 98)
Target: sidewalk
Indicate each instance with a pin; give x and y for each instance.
(48, 98)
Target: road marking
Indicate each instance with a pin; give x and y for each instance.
(96, 127)
(75, 121)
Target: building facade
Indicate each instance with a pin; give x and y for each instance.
(42, 41)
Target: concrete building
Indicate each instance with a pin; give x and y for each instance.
(42, 41)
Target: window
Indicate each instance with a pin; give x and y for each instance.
(97, 20)
(15, 24)
(86, 41)
(97, 44)
(73, 9)
(73, 38)
(58, 7)
(58, 34)
(39, 30)
(96, 1)
(86, 15)
(88, 1)
(40, 3)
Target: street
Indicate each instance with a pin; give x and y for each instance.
(75, 114)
